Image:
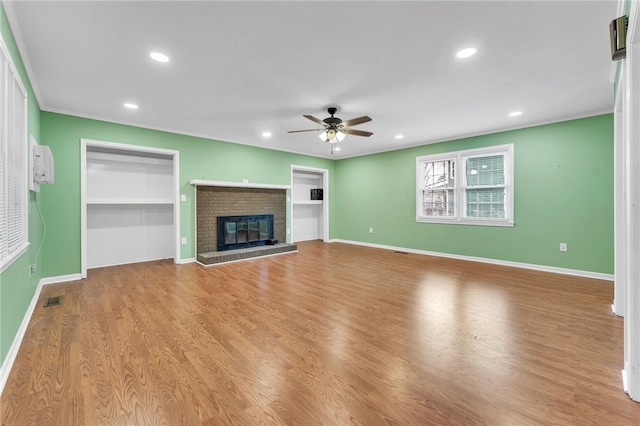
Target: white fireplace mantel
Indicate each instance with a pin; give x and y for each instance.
(244, 184)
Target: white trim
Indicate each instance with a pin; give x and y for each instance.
(531, 266)
(83, 208)
(186, 260)
(632, 220)
(9, 260)
(325, 201)
(177, 205)
(201, 182)
(620, 169)
(15, 76)
(245, 259)
(467, 221)
(195, 221)
(17, 340)
(129, 147)
(175, 156)
(61, 279)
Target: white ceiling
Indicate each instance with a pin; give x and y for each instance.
(240, 68)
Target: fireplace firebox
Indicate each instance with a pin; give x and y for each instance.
(235, 232)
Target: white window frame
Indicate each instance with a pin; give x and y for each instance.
(460, 158)
(18, 171)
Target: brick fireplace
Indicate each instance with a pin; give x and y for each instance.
(215, 201)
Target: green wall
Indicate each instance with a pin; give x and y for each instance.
(16, 286)
(199, 159)
(563, 193)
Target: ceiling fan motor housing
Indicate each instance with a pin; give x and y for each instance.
(332, 121)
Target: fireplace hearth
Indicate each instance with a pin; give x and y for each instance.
(239, 232)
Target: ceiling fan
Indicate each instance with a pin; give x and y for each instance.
(334, 129)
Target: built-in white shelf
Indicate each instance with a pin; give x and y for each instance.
(129, 204)
(307, 202)
(132, 201)
(307, 215)
(201, 182)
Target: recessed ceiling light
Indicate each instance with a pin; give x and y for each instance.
(130, 105)
(399, 136)
(160, 57)
(467, 52)
(515, 113)
(266, 134)
(337, 148)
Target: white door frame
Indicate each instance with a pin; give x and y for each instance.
(325, 201)
(631, 205)
(620, 206)
(84, 144)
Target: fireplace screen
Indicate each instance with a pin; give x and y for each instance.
(244, 231)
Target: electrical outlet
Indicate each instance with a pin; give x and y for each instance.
(288, 231)
(563, 246)
(183, 197)
(33, 268)
(371, 230)
(184, 241)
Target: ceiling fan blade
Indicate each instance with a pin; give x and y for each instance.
(355, 121)
(308, 130)
(356, 132)
(315, 120)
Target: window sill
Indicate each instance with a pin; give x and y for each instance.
(8, 261)
(455, 221)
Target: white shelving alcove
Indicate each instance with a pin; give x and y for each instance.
(129, 204)
(309, 218)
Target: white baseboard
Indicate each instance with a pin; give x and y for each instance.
(17, 340)
(185, 261)
(564, 271)
(60, 279)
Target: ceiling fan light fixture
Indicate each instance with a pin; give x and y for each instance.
(332, 136)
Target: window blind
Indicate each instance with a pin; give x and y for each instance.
(13, 161)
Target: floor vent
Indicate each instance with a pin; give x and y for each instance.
(53, 301)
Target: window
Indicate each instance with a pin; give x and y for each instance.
(482, 194)
(13, 162)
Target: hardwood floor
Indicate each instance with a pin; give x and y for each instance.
(334, 334)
